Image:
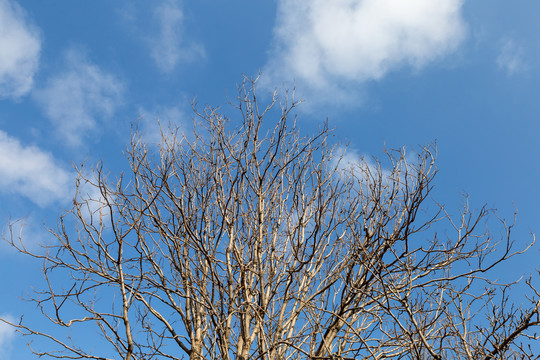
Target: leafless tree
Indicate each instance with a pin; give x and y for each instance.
(256, 243)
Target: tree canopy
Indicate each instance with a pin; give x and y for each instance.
(254, 242)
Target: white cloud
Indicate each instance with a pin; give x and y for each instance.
(152, 123)
(320, 43)
(168, 47)
(7, 334)
(76, 98)
(396, 166)
(30, 172)
(93, 204)
(510, 57)
(24, 232)
(364, 167)
(20, 46)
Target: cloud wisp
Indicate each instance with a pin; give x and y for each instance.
(32, 173)
(20, 46)
(321, 43)
(80, 96)
(25, 233)
(155, 124)
(401, 167)
(350, 162)
(510, 57)
(7, 334)
(168, 47)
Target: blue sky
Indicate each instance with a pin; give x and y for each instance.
(74, 75)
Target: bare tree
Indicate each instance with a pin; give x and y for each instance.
(257, 243)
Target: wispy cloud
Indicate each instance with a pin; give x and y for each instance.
(511, 57)
(321, 43)
(92, 202)
(77, 98)
(24, 233)
(396, 166)
(153, 122)
(31, 172)
(168, 46)
(352, 162)
(7, 334)
(20, 46)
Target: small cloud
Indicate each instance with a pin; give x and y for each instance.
(152, 123)
(76, 98)
(91, 200)
(7, 334)
(168, 47)
(350, 162)
(322, 44)
(24, 233)
(20, 46)
(510, 57)
(398, 166)
(32, 173)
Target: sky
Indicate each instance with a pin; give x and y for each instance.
(386, 74)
